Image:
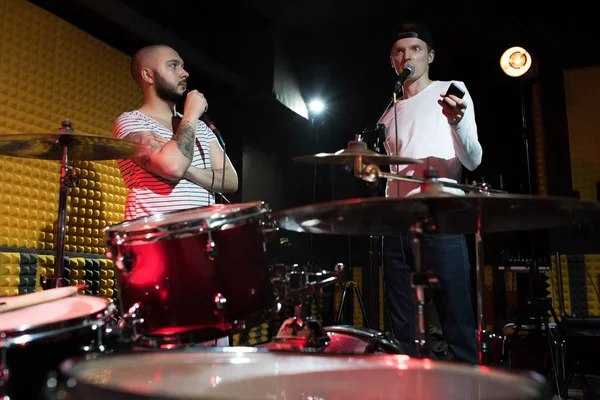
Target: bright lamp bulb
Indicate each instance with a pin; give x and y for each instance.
(515, 61)
(316, 106)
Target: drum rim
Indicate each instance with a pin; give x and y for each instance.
(28, 334)
(538, 381)
(127, 232)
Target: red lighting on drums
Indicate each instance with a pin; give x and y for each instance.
(154, 268)
(427, 364)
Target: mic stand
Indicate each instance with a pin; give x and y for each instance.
(222, 142)
(314, 188)
(397, 89)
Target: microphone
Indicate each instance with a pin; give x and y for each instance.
(208, 121)
(408, 71)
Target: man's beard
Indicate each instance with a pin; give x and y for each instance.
(166, 90)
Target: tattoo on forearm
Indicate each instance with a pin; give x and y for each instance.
(185, 136)
(152, 142)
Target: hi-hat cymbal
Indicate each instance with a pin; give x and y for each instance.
(347, 156)
(451, 214)
(49, 146)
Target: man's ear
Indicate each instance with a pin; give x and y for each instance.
(147, 75)
(431, 55)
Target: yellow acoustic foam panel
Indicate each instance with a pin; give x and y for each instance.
(582, 94)
(51, 71)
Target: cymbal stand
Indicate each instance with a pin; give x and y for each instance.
(68, 180)
(482, 335)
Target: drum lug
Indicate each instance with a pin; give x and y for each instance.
(269, 229)
(211, 248)
(132, 318)
(220, 304)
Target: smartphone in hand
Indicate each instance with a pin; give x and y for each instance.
(455, 90)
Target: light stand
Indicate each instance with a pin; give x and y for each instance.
(515, 62)
(316, 107)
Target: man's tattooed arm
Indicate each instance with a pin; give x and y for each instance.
(185, 138)
(169, 159)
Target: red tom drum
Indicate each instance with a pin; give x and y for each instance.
(202, 272)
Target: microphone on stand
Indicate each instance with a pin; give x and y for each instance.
(208, 121)
(408, 70)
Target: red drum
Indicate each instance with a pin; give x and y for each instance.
(250, 373)
(196, 274)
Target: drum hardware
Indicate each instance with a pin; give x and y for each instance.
(64, 146)
(372, 173)
(211, 248)
(476, 213)
(302, 332)
(129, 322)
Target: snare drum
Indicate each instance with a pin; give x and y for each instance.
(35, 339)
(196, 274)
(250, 373)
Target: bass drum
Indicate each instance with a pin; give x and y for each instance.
(250, 373)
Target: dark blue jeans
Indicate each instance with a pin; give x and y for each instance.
(448, 258)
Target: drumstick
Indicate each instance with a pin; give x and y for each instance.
(32, 299)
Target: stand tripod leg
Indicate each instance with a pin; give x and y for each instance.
(360, 302)
(420, 281)
(482, 337)
(362, 306)
(341, 307)
(553, 356)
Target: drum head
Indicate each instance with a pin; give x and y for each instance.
(245, 373)
(221, 216)
(64, 313)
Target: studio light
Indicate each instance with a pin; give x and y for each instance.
(515, 61)
(316, 106)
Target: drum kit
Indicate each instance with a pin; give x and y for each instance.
(188, 278)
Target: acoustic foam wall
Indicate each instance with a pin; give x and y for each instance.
(51, 71)
(581, 91)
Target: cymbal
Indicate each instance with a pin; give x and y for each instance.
(451, 213)
(347, 156)
(49, 146)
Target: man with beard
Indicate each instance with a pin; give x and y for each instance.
(184, 163)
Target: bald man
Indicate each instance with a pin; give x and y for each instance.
(184, 166)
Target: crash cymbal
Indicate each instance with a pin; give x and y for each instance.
(49, 146)
(350, 154)
(451, 214)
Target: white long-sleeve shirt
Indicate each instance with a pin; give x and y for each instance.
(424, 133)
